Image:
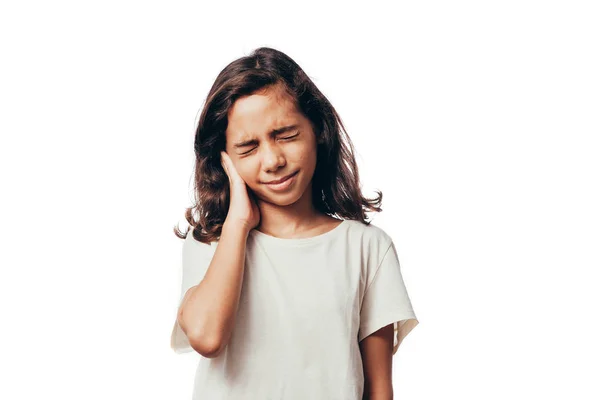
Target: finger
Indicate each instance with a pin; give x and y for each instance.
(231, 172)
(224, 162)
(226, 168)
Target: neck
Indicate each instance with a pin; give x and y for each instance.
(291, 219)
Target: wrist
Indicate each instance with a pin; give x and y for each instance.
(236, 225)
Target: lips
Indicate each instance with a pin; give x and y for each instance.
(285, 178)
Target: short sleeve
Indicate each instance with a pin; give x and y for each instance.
(386, 301)
(195, 259)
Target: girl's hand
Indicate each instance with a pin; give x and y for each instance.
(242, 204)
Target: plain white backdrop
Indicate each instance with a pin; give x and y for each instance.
(479, 121)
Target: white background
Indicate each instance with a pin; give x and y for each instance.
(478, 120)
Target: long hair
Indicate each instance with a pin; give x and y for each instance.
(336, 188)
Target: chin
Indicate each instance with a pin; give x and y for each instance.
(282, 200)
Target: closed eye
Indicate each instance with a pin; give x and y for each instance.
(283, 138)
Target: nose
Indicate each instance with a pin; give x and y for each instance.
(272, 157)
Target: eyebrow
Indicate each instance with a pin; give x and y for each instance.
(273, 132)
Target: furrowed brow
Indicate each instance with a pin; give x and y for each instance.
(277, 131)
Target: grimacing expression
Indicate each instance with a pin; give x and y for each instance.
(268, 138)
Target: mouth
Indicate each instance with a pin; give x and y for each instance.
(285, 178)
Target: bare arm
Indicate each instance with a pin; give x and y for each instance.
(207, 312)
(376, 352)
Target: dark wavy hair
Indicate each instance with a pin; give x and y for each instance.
(336, 185)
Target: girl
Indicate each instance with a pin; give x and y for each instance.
(282, 299)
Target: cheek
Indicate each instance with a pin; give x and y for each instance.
(249, 172)
(304, 154)
(309, 158)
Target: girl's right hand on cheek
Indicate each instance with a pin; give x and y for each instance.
(242, 205)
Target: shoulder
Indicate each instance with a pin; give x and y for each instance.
(371, 241)
(369, 234)
(370, 244)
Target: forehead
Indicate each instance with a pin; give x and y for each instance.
(260, 113)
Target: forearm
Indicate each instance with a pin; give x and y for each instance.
(209, 312)
(378, 396)
(381, 393)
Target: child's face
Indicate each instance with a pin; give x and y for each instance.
(271, 156)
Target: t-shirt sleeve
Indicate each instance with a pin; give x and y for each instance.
(386, 301)
(196, 257)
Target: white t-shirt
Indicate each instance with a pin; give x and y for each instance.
(305, 304)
